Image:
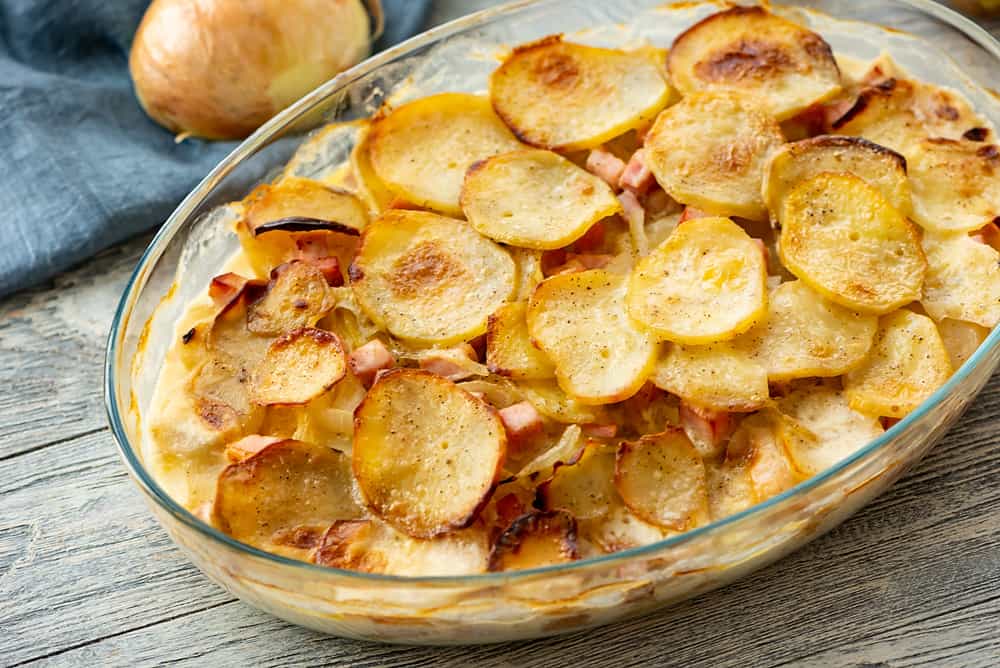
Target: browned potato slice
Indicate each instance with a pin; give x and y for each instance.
(584, 489)
(421, 150)
(430, 279)
(720, 376)
(963, 279)
(661, 478)
(705, 283)
(837, 430)
(286, 485)
(621, 529)
(534, 199)
(961, 339)
(298, 367)
(426, 454)
(295, 204)
(758, 448)
(579, 320)
(534, 540)
(749, 51)
(373, 547)
(298, 295)
(509, 351)
(907, 364)
(847, 242)
(568, 97)
(956, 184)
(806, 335)
(730, 489)
(709, 151)
(221, 399)
(793, 163)
(553, 403)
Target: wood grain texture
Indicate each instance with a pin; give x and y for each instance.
(87, 577)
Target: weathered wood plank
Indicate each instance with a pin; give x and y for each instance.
(909, 581)
(52, 343)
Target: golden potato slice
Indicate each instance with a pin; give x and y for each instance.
(373, 547)
(661, 478)
(568, 97)
(297, 296)
(534, 199)
(298, 367)
(221, 399)
(509, 351)
(430, 279)
(579, 320)
(907, 363)
(295, 204)
(584, 489)
(758, 447)
(806, 335)
(899, 113)
(426, 454)
(837, 430)
(421, 150)
(961, 339)
(956, 184)
(534, 540)
(709, 151)
(705, 283)
(553, 403)
(963, 279)
(880, 167)
(370, 188)
(720, 376)
(286, 485)
(847, 242)
(749, 51)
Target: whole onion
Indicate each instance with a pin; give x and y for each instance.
(220, 68)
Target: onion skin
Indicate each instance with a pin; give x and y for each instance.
(218, 69)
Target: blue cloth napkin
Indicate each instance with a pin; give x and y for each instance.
(83, 167)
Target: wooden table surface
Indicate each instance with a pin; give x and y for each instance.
(87, 577)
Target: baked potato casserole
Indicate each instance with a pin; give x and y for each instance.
(624, 294)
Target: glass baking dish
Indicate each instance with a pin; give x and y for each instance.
(932, 42)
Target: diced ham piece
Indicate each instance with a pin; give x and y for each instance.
(637, 178)
(522, 422)
(600, 430)
(690, 213)
(634, 213)
(368, 360)
(248, 446)
(605, 165)
(224, 288)
(330, 268)
(592, 240)
(448, 363)
(706, 428)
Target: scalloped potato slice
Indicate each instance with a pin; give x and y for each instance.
(551, 401)
(757, 449)
(963, 279)
(907, 364)
(297, 296)
(584, 489)
(285, 485)
(295, 203)
(370, 189)
(540, 538)
(373, 547)
(661, 478)
(430, 279)
(422, 149)
(509, 351)
(730, 489)
(799, 161)
(534, 199)
(426, 453)
(806, 335)
(749, 51)
(836, 429)
(298, 367)
(720, 376)
(956, 184)
(961, 339)
(847, 242)
(709, 151)
(621, 529)
(579, 320)
(568, 97)
(705, 283)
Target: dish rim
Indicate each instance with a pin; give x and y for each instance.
(161, 241)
